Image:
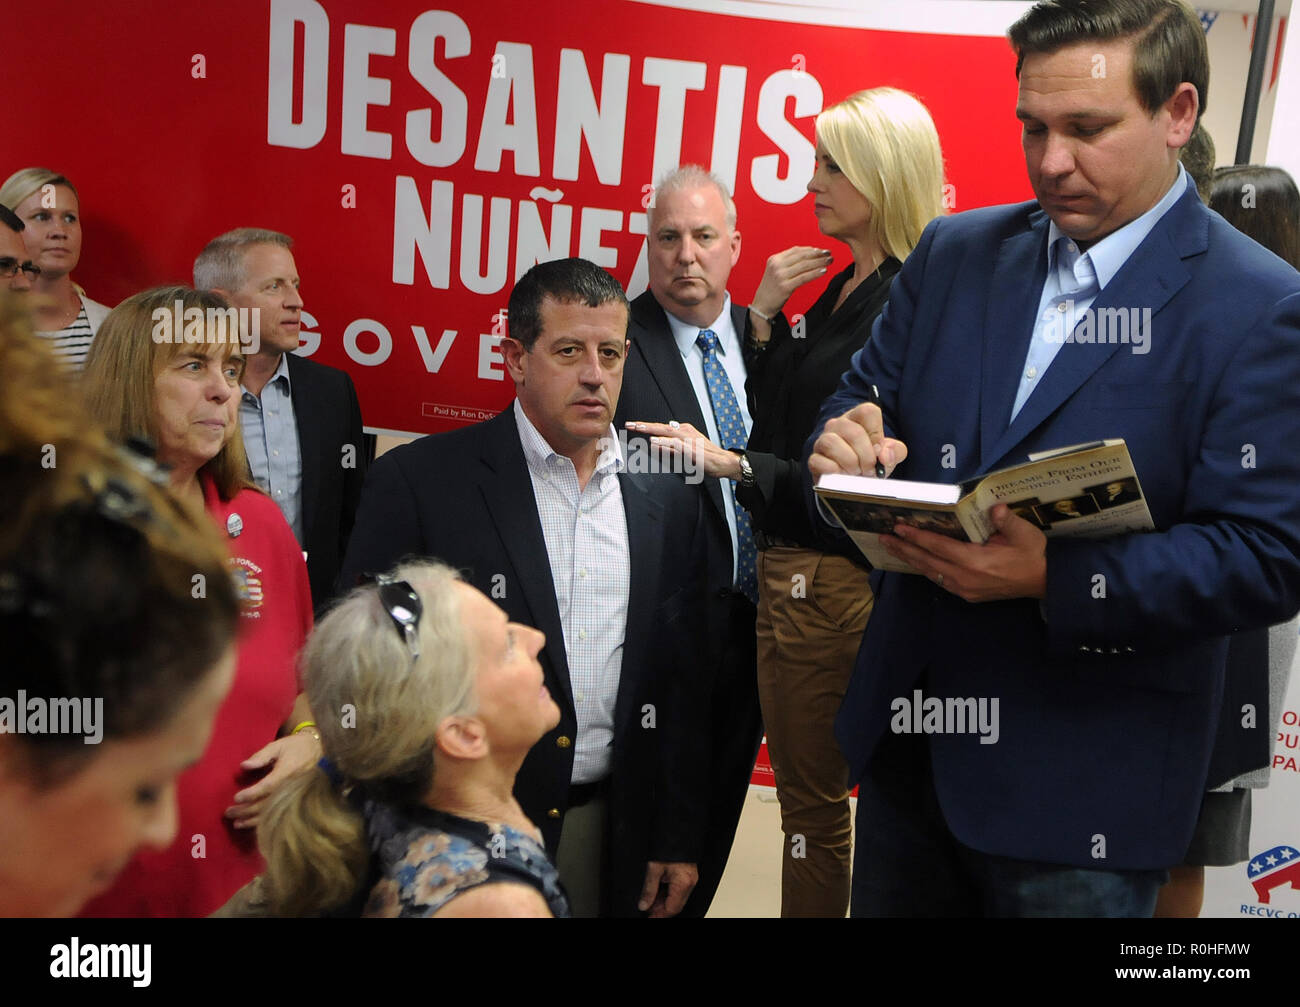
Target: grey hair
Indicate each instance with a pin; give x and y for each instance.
(692, 176)
(378, 713)
(220, 266)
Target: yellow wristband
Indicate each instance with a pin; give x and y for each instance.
(306, 724)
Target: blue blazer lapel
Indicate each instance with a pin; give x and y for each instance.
(1020, 269)
(1150, 277)
(508, 493)
(645, 529)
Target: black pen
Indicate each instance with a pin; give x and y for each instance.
(875, 401)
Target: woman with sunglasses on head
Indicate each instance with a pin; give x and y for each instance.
(47, 204)
(97, 610)
(412, 813)
(184, 396)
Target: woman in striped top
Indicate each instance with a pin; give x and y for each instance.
(47, 203)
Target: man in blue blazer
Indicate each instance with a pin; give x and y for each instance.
(1102, 660)
(538, 508)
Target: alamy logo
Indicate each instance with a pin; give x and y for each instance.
(642, 457)
(217, 326)
(949, 715)
(38, 715)
(75, 960)
(1103, 326)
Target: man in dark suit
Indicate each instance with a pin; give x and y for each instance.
(301, 420)
(1106, 657)
(539, 509)
(674, 373)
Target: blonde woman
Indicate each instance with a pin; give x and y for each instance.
(439, 698)
(184, 397)
(48, 205)
(878, 181)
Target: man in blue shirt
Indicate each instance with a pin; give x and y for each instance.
(1105, 657)
(300, 419)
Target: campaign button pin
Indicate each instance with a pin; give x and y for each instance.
(234, 525)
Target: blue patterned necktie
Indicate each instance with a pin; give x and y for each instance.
(731, 434)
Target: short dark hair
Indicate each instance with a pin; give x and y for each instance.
(1272, 213)
(567, 281)
(1169, 41)
(11, 220)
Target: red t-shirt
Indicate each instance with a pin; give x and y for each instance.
(269, 568)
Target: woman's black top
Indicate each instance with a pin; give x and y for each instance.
(789, 380)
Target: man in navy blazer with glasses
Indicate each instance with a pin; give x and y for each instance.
(1105, 657)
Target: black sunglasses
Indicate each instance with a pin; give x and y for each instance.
(9, 267)
(403, 606)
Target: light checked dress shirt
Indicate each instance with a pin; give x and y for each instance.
(586, 542)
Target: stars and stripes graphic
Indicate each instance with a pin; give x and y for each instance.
(1273, 869)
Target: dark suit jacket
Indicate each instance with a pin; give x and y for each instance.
(466, 497)
(656, 389)
(328, 416)
(1108, 705)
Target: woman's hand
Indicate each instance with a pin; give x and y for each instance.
(696, 449)
(784, 273)
(286, 756)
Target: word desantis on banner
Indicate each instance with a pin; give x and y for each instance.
(438, 135)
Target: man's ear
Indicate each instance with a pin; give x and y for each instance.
(1182, 107)
(512, 350)
(462, 738)
(735, 248)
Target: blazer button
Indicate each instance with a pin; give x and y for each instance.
(553, 813)
(563, 741)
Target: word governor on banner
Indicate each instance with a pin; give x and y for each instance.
(370, 343)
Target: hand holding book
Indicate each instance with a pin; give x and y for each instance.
(1010, 564)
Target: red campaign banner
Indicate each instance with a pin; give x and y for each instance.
(422, 158)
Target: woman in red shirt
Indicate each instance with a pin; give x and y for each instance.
(150, 376)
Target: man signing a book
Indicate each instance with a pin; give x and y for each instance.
(1105, 657)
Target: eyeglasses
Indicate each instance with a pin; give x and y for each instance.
(404, 608)
(9, 267)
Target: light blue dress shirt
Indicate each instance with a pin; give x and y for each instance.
(271, 441)
(1074, 280)
(733, 362)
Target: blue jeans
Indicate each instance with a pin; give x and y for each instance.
(906, 862)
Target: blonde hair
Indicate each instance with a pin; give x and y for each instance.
(125, 360)
(25, 181)
(885, 143)
(378, 713)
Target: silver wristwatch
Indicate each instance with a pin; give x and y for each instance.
(746, 471)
